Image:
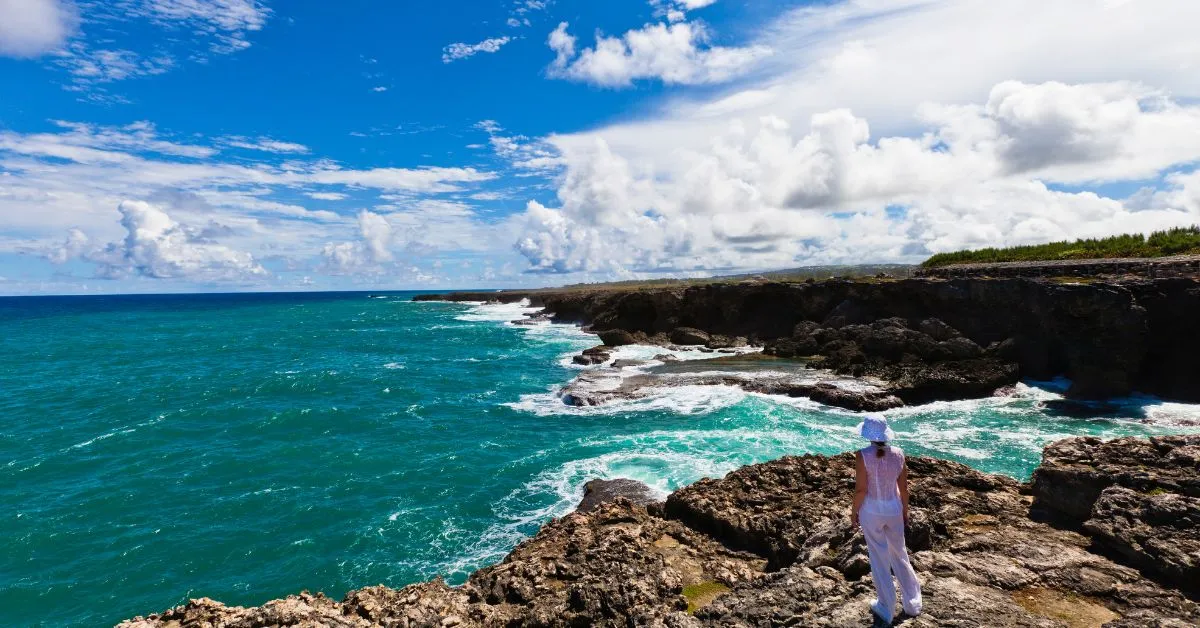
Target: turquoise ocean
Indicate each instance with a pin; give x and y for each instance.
(246, 447)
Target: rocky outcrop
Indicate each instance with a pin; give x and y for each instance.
(617, 337)
(594, 355)
(1158, 533)
(898, 366)
(598, 492)
(1138, 500)
(933, 362)
(535, 319)
(689, 336)
(1108, 337)
(772, 545)
(1075, 471)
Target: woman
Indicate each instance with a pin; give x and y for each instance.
(881, 510)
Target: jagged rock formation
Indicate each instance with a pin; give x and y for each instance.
(599, 492)
(1109, 338)
(1139, 500)
(772, 545)
(933, 362)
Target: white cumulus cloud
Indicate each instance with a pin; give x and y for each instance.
(75, 245)
(373, 247)
(764, 193)
(156, 246)
(29, 28)
(679, 53)
(881, 130)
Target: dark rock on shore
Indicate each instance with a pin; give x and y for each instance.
(828, 393)
(535, 319)
(603, 386)
(947, 381)
(931, 363)
(597, 492)
(689, 336)
(595, 355)
(617, 337)
(620, 364)
(719, 342)
(772, 545)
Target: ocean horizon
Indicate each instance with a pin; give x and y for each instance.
(246, 446)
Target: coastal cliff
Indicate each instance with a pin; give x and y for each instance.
(1110, 337)
(772, 545)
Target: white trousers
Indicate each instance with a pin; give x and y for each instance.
(885, 547)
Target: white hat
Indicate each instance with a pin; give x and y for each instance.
(875, 429)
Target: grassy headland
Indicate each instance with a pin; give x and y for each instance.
(1179, 241)
(859, 271)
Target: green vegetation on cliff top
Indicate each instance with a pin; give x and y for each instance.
(1179, 241)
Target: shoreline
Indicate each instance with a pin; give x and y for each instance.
(434, 604)
(770, 544)
(933, 338)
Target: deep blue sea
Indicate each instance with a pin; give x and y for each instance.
(245, 447)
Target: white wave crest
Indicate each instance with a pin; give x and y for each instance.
(498, 312)
(685, 400)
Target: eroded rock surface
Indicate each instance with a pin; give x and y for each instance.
(1075, 471)
(598, 492)
(1158, 533)
(1138, 499)
(772, 545)
(929, 363)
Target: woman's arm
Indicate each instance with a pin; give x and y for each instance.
(902, 484)
(860, 486)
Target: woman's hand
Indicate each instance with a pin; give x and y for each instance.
(854, 518)
(906, 514)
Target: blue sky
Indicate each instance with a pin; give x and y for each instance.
(179, 145)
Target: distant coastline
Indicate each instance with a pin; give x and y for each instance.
(1109, 335)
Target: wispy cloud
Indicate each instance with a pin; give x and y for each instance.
(98, 49)
(455, 52)
(226, 23)
(520, 151)
(264, 144)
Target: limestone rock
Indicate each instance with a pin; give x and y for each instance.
(597, 492)
(1075, 471)
(1158, 533)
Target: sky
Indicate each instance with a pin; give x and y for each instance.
(260, 145)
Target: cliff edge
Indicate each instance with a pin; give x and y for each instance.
(934, 339)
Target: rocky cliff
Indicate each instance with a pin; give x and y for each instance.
(1109, 338)
(772, 545)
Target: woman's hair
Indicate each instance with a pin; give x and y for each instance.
(880, 448)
